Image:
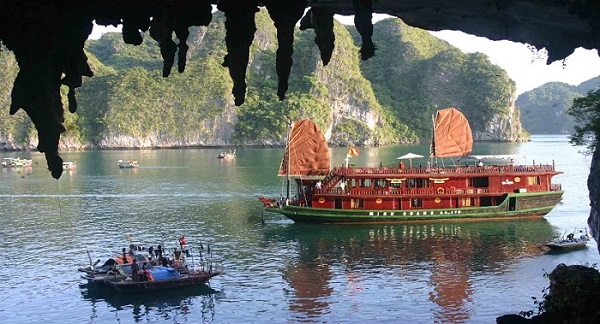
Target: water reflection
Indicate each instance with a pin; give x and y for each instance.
(444, 257)
(163, 305)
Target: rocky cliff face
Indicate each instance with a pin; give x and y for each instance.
(505, 127)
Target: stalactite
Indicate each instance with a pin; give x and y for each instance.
(363, 14)
(240, 28)
(321, 20)
(285, 15)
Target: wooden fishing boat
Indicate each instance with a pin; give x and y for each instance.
(162, 278)
(569, 241)
(350, 194)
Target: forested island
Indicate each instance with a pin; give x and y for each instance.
(387, 99)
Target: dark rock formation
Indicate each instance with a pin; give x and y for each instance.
(238, 38)
(285, 15)
(321, 20)
(572, 298)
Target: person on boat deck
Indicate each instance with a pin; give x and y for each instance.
(164, 261)
(401, 165)
(343, 186)
(146, 274)
(113, 270)
(135, 271)
(124, 256)
(319, 185)
(182, 242)
(480, 164)
(512, 162)
(570, 236)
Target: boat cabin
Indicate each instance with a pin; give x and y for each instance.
(423, 188)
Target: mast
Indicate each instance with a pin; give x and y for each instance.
(287, 169)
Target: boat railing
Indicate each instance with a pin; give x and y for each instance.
(387, 171)
(403, 191)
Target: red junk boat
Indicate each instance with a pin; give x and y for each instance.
(394, 194)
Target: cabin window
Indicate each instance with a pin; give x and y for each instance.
(416, 202)
(486, 201)
(422, 183)
(357, 203)
(534, 181)
(365, 183)
(479, 182)
(410, 183)
(466, 202)
(396, 184)
(380, 183)
(352, 183)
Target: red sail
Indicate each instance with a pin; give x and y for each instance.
(307, 151)
(452, 135)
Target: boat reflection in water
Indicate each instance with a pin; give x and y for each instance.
(392, 263)
(166, 303)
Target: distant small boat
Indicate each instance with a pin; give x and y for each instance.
(129, 164)
(226, 156)
(569, 241)
(69, 166)
(15, 163)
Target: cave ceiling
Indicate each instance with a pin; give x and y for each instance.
(48, 36)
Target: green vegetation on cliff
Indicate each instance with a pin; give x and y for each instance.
(552, 101)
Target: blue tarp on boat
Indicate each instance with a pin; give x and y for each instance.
(160, 273)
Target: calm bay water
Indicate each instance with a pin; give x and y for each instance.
(275, 270)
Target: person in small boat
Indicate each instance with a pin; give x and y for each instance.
(158, 251)
(182, 242)
(164, 261)
(151, 251)
(146, 274)
(135, 271)
(570, 236)
(124, 256)
(113, 270)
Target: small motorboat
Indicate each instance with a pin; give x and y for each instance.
(226, 155)
(129, 164)
(15, 163)
(69, 166)
(569, 241)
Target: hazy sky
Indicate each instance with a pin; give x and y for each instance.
(526, 67)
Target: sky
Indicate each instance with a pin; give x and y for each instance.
(529, 69)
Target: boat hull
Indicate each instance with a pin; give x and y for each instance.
(516, 205)
(183, 281)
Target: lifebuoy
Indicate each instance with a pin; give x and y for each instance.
(440, 190)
